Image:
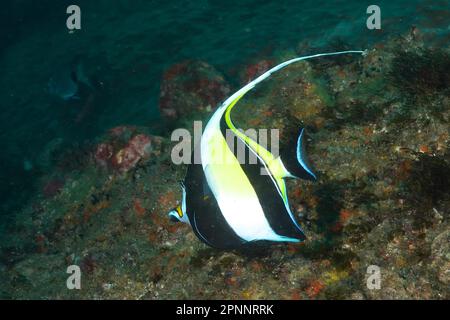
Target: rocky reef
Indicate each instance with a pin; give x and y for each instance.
(378, 137)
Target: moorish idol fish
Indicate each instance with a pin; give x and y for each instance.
(228, 203)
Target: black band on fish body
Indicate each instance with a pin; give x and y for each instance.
(271, 201)
(207, 220)
(204, 213)
(269, 198)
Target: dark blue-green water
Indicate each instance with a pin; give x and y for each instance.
(124, 46)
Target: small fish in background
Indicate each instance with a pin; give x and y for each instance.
(229, 204)
(70, 82)
(63, 86)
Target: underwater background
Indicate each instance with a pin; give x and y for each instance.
(71, 102)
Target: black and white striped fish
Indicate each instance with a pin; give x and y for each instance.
(229, 203)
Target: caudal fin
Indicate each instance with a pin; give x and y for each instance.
(293, 156)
